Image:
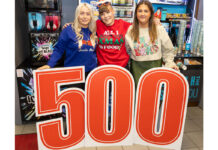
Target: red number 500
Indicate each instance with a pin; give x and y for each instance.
(87, 112)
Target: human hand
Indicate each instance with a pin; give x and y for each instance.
(66, 25)
(175, 68)
(44, 67)
(172, 65)
(157, 21)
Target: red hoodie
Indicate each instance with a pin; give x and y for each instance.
(111, 43)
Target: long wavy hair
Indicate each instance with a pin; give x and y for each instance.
(92, 25)
(134, 32)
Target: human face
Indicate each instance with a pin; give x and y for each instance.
(84, 17)
(143, 15)
(108, 17)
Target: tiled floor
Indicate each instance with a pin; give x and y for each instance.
(192, 139)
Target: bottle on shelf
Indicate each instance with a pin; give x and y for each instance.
(122, 2)
(195, 37)
(180, 64)
(187, 50)
(200, 41)
(115, 2)
(188, 47)
(180, 36)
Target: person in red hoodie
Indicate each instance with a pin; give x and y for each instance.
(111, 37)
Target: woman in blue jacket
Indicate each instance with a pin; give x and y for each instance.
(78, 41)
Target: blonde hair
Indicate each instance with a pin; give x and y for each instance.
(92, 25)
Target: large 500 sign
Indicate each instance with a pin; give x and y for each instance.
(87, 112)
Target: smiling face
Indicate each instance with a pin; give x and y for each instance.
(143, 15)
(107, 15)
(84, 17)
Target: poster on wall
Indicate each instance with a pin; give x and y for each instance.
(93, 3)
(26, 96)
(42, 46)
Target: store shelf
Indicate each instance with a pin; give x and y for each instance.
(123, 5)
(192, 56)
(194, 67)
(167, 3)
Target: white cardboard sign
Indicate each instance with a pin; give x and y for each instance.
(156, 117)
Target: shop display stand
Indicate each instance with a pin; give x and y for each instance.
(194, 75)
(43, 41)
(25, 69)
(124, 9)
(194, 72)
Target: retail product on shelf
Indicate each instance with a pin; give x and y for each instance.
(41, 5)
(199, 48)
(194, 62)
(202, 46)
(180, 36)
(180, 64)
(197, 37)
(122, 2)
(158, 13)
(187, 49)
(123, 12)
(52, 22)
(124, 9)
(172, 2)
(39, 21)
(177, 17)
(36, 21)
(163, 14)
(42, 45)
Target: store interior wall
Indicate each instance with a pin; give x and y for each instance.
(200, 10)
(21, 35)
(22, 45)
(68, 9)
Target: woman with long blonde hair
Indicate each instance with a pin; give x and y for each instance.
(77, 41)
(149, 43)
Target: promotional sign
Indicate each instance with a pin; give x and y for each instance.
(96, 113)
(26, 95)
(195, 80)
(87, 115)
(42, 46)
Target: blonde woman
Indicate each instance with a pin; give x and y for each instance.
(148, 42)
(77, 41)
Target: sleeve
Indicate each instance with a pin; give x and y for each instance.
(58, 49)
(128, 49)
(127, 44)
(126, 25)
(167, 48)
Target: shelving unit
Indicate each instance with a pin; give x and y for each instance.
(42, 42)
(193, 73)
